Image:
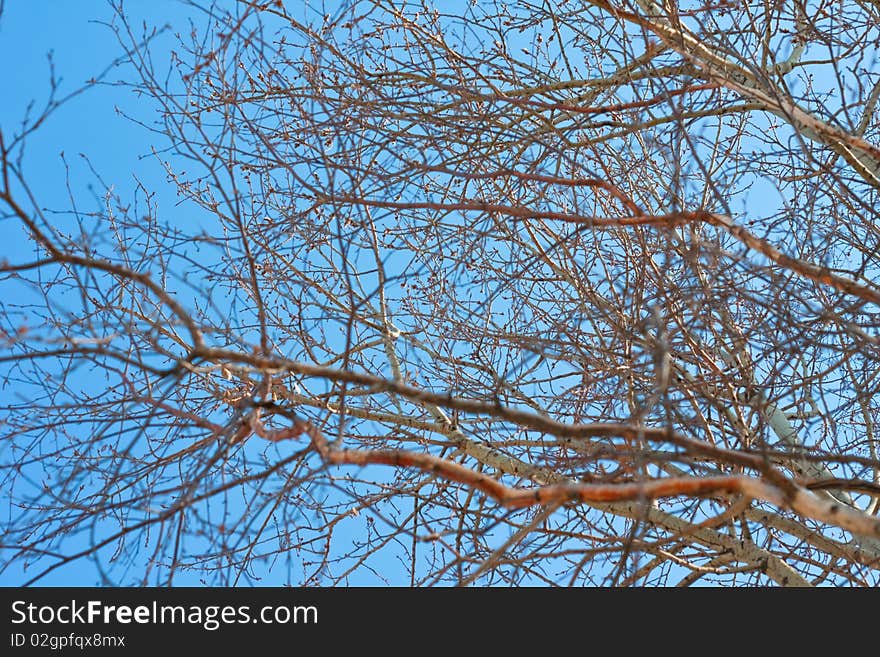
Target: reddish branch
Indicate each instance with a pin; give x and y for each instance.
(253, 424)
(808, 270)
(595, 183)
(790, 496)
(517, 498)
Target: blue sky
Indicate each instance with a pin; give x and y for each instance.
(81, 47)
(89, 124)
(118, 150)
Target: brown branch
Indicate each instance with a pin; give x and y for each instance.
(807, 270)
(801, 501)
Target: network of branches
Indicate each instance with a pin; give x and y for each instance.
(489, 292)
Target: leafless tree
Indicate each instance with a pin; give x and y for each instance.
(488, 292)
